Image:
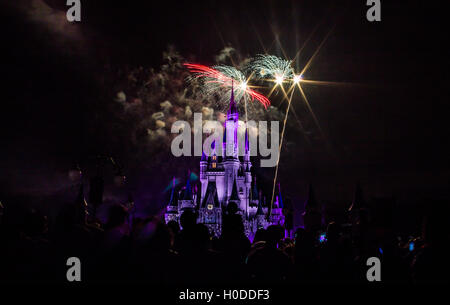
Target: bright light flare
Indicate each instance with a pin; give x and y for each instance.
(297, 78)
(279, 79)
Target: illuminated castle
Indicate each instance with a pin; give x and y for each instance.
(227, 179)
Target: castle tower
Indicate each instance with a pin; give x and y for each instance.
(172, 206)
(187, 200)
(248, 174)
(225, 179)
(260, 216)
(246, 146)
(210, 211)
(231, 128)
(203, 166)
(231, 162)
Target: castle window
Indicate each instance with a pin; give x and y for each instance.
(214, 161)
(210, 206)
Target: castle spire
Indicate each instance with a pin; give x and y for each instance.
(246, 139)
(171, 200)
(232, 91)
(259, 211)
(233, 109)
(188, 190)
(280, 199)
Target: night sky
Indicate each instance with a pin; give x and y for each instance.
(387, 127)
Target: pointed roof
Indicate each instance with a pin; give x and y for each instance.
(171, 200)
(211, 195)
(241, 171)
(246, 140)
(188, 190)
(358, 199)
(233, 108)
(276, 203)
(259, 211)
(234, 193)
(280, 198)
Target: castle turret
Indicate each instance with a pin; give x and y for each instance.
(246, 146)
(280, 198)
(172, 206)
(247, 172)
(260, 216)
(203, 166)
(187, 199)
(232, 112)
(231, 127)
(276, 216)
(231, 162)
(187, 195)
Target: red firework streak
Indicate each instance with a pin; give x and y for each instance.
(225, 81)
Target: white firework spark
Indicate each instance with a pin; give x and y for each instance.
(270, 67)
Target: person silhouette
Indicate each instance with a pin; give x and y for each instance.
(268, 263)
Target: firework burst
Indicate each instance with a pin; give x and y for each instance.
(222, 79)
(270, 67)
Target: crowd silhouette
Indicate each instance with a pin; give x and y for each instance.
(148, 250)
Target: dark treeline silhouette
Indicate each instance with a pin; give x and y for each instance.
(148, 250)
